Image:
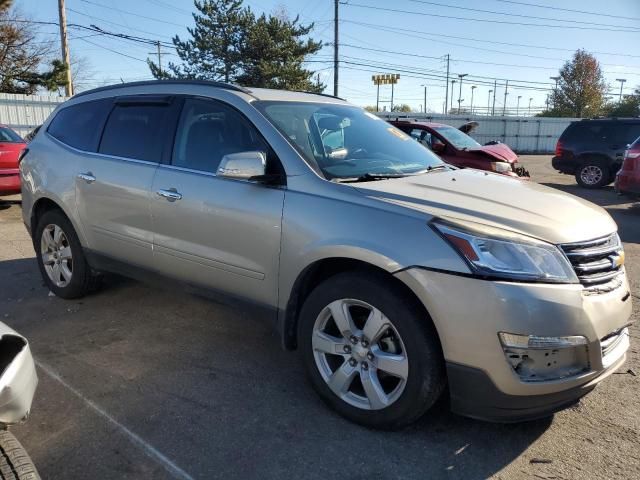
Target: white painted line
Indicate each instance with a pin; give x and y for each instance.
(149, 450)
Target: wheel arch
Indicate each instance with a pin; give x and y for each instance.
(45, 204)
(584, 157)
(322, 269)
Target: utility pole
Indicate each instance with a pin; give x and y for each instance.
(425, 98)
(489, 103)
(318, 80)
(460, 76)
(506, 92)
(159, 57)
(495, 90)
(378, 98)
(335, 48)
(453, 82)
(518, 105)
(473, 87)
(621, 80)
(62, 14)
(555, 90)
(530, 98)
(446, 93)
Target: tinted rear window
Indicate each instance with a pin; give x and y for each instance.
(607, 132)
(80, 125)
(8, 135)
(135, 131)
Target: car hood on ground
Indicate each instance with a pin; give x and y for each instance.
(499, 151)
(496, 200)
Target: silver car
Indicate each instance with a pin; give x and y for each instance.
(399, 277)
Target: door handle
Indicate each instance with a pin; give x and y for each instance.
(171, 195)
(87, 177)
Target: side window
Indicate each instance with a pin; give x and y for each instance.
(422, 136)
(628, 133)
(135, 131)
(80, 125)
(209, 130)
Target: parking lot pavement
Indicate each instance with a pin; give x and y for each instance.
(140, 382)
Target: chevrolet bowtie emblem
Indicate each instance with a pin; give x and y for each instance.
(617, 260)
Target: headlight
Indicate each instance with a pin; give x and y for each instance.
(501, 254)
(501, 167)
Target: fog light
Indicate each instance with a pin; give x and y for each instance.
(536, 342)
(537, 359)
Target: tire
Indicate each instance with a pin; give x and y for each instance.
(15, 463)
(593, 173)
(65, 261)
(409, 333)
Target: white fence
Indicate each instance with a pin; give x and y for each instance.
(25, 112)
(522, 134)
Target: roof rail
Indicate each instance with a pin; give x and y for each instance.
(209, 83)
(321, 94)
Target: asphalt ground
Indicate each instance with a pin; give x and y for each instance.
(140, 382)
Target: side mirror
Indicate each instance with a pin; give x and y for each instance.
(437, 146)
(243, 165)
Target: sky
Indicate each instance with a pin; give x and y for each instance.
(410, 37)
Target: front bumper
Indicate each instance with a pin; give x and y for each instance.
(627, 183)
(469, 313)
(9, 182)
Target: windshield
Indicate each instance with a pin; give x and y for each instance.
(346, 141)
(458, 139)
(9, 136)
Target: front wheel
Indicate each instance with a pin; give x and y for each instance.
(15, 463)
(371, 353)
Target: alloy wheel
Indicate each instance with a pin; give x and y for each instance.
(591, 174)
(56, 254)
(360, 354)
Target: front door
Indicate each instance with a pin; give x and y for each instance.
(210, 231)
(113, 186)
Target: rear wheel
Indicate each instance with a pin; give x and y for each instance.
(61, 258)
(15, 463)
(370, 352)
(593, 174)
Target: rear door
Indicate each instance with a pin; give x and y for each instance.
(113, 186)
(215, 232)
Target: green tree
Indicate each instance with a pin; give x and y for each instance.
(22, 58)
(628, 107)
(214, 50)
(581, 88)
(228, 43)
(274, 52)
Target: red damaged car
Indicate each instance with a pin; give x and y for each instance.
(459, 149)
(11, 146)
(628, 178)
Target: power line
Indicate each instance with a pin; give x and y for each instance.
(109, 7)
(425, 36)
(111, 50)
(504, 22)
(494, 12)
(599, 14)
(410, 54)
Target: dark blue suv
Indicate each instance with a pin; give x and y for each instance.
(593, 150)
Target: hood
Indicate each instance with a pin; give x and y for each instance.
(499, 151)
(498, 201)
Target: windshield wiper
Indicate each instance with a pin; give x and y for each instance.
(369, 177)
(441, 166)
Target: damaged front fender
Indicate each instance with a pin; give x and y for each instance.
(18, 378)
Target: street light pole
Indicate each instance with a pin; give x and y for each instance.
(530, 98)
(473, 87)
(460, 76)
(621, 80)
(452, 84)
(518, 104)
(489, 103)
(425, 98)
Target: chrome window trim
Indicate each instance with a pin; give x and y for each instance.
(188, 170)
(97, 154)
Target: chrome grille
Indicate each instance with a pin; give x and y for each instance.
(597, 262)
